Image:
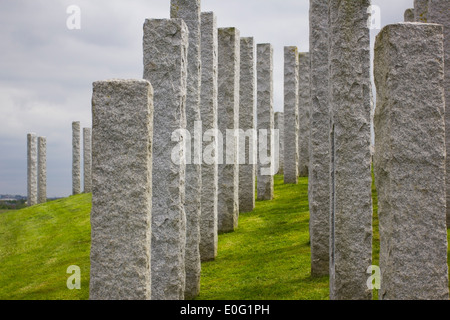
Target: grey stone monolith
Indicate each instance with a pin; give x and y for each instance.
(190, 12)
(350, 138)
(304, 109)
(42, 170)
(87, 159)
(409, 15)
(76, 158)
(291, 119)
(421, 10)
(228, 111)
(279, 125)
(409, 162)
(438, 12)
(121, 214)
(247, 113)
(32, 180)
(319, 170)
(208, 221)
(165, 66)
(265, 120)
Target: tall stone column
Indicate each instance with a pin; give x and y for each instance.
(351, 177)
(438, 13)
(42, 170)
(32, 180)
(87, 159)
(319, 171)
(76, 158)
(304, 109)
(409, 15)
(190, 12)
(409, 162)
(165, 66)
(291, 120)
(421, 10)
(228, 110)
(247, 112)
(208, 221)
(121, 214)
(264, 74)
(279, 125)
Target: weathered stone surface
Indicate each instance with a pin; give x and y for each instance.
(165, 66)
(76, 157)
(247, 112)
(410, 15)
(421, 10)
(264, 75)
(304, 109)
(291, 120)
(122, 190)
(189, 11)
(42, 170)
(279, 125)
(32, 180)
(208, 221)
(409, 162)
(87, 159)
(319, 171)
(351, 177)
(438, 12)
(228, 110)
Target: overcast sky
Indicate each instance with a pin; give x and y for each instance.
(47, 70)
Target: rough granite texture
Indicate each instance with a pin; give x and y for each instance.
(439, 13)
(122, 190)
(409, 15)
(247, 112)
(189, 11)
(279, 125)
(165, 66)
(265, 120)
(304, 109)
(87, 159)
(208, 221)
(228, 111)
(42, 170)
(291, 120)
(76, 158)
(409, 162)
(421, 10)
(32, 180)
(350, 138)
(319, 171)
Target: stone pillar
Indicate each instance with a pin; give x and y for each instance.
(121, 214)
(319, 171)
(42, 170)
(304, 107)
(76, 158)
(421, 10)
(228, 110)
(438, 13)
(291, 120)
(409, 162)
(87, 159)
(247, 112)
(165, 66)
(190, 12)
(264, 72)
(279, 125)
(32, 180)
(208, 221)
(410, 15)
(351, 177)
